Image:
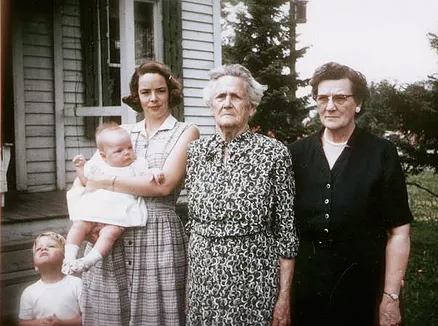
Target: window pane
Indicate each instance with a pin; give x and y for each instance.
(114, 32)
(113, 94)
(144, 31)
(111, 59)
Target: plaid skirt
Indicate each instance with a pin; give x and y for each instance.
(142, 281)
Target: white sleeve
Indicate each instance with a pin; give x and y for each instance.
(26, 306)
(78, 292)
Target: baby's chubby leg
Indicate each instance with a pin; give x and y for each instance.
(108, 234)
(76, 235)
(78, 232)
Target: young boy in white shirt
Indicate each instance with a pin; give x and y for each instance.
(54, 299)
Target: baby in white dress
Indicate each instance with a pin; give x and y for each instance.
(104, 210)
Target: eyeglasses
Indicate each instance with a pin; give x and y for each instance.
(338, 99)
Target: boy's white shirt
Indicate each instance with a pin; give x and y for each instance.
(60, 299)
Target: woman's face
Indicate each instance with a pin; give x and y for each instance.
(154, 95)
(230, 103)
(336, 105)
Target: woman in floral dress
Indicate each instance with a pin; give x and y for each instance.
(142, 281)
(241, 223)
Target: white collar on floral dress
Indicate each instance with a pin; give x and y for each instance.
(167, 124)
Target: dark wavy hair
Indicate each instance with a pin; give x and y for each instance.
(154, 67)
(335, 71)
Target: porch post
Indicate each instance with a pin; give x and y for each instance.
(217, 33)
(127, 55)
(59, 95)
(20, 117)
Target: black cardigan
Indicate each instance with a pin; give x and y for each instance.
(354, 204)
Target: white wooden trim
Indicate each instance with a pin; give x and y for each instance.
(59, 95)
(19, 112)
(217, 33)
(100, 111)
(158, 31)
(127, 55)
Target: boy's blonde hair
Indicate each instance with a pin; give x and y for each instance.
(55, 236)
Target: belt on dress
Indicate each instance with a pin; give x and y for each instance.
(317, 245)
(323, 243)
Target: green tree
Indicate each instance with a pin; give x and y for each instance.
(409, 116)
(262, 43)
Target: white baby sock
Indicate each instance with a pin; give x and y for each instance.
(70, 252)
(91, 258)
(83, 264)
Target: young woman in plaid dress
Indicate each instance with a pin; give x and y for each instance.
(142, 281)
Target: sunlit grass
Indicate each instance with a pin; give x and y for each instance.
(421, 290)
(424, 206)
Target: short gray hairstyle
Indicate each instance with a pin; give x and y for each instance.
(253, 88)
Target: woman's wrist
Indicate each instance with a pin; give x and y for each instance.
(284, 295)
(113, 182)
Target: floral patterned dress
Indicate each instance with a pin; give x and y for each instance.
(241, 221)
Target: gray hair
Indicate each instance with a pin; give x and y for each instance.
(253, 88)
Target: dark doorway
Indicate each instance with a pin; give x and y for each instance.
(7, 121)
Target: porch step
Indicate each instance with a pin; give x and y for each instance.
(17, 232)
(17, 272)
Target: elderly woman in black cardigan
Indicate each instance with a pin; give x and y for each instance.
(352, 213)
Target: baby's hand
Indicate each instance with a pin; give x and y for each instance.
(157, 175)
(79, 160)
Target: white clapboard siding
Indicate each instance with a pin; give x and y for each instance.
(37, 62)
(191, 92)
(75, 142)
(191, 54)
(39, 85)
(44, 32)
(40, 155)
(74, 88)
(39, 119)
(39, 131)
(40, 142)
(201, 50)
(38, 108)
(38, 94)
(200, 36)
(40, 179)
(38, 51)
(71, 152)
(195, 111)
(37, 73)
(43, 166)
(195, 102)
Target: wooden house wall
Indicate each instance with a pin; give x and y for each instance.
(38, 127)
(201, 44)
(74, 86)
(53, 85)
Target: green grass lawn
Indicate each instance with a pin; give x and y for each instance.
(421, 290)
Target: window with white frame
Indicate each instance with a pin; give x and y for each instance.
(100, 25)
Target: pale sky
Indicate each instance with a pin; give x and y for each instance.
(384, 39)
